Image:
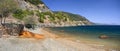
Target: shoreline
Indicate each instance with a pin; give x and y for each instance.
(84, 41)
(51, 42)
(72, 40)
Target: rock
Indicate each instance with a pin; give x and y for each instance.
(103, 37)
(26, 5)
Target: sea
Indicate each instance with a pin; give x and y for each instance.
(90, 34)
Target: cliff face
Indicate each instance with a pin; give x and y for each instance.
(23, 4)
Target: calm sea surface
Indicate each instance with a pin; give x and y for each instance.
(91, 33)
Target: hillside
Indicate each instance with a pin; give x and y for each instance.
(76, 17)
(36, 11)
(33, 5)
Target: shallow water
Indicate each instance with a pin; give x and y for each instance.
(90, 34)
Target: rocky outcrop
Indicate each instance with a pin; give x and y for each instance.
(28, 6)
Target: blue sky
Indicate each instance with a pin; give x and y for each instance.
(98, 11)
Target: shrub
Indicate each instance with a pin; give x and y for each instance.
(41, 17)
(53, 17)
(29, 20)
(20, 14)
(35, 2)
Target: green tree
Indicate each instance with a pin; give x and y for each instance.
(7, 7)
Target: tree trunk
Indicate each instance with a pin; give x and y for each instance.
(2, 24)
(1, 20)
(4, 19)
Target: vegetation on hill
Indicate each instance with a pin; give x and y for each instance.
(41, 17)
(72, 16)
(20, 14)
(35, 2)
(30, 20)
(59, 17)
(53, 17)
(25, 15)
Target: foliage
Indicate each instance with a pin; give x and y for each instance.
(52, 16)
(61, 16)
(43, 14)
(35, 2)
(71, 16)
(27, 12)
(6, 7)
(29, 20)
(20, 14)
(41, 17)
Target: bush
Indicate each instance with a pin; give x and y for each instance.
(56, 16)
(29, 20)
(61, 16)
(27, 12)
(20, 14)
(35, 2)
(41, 18)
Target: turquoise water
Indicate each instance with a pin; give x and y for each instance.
(92, 33)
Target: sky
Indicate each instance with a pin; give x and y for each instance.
(97, 11)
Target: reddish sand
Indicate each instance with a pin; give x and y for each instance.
(27, 34)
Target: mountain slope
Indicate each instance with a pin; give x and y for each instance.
(33, 5)
(35, 12)
(76, 17)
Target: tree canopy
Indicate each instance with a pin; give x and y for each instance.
(6, 7)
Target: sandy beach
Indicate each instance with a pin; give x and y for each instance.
(51, 42)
